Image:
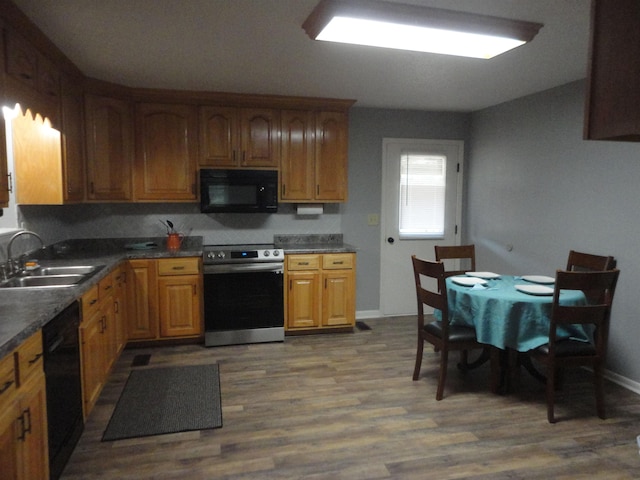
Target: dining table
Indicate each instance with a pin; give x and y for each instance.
(510, 314)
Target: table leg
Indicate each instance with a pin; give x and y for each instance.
(483, 358)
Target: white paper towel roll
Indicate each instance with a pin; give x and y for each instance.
(315, 209)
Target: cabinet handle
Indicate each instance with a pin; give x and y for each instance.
(338, 263)
(290, 284)
(116, 306)
(108, 287)
(10, 175)
(93, 302)
(35, 359)
(284, 189)
(195, 290)
(318, 189)
(25, 424)
(26, 76)
(91, 188)
(6, 386)
(325, 283)
(303, 263)
(178, 267)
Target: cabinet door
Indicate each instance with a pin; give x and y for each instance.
(107, 309)
(4, 179)
(179, 302)
(8, 441)
(337, 298)
(166, 152)
(260, 140)
(297, 155)
(303, 300)
(218, 137)
(72, 158)
(109, 141)
(93, 348)
(33, 446)
(143, 300)
(120, 307)
(331, 157)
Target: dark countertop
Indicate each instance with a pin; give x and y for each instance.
(319, 248)
(25, 311)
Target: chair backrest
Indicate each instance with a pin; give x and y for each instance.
(598, 285)
(587, 262)
(465, 253)
(434, 295)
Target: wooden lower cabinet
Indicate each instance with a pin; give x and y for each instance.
(167, 299)
(23, 414)
(98, 341)
(320, 291)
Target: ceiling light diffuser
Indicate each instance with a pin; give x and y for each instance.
(411, 27)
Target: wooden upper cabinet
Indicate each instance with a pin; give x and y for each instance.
(166, 152)
(613, 103)
(109, 143)
(239, 137)
(31, 79)
(72, 140)
(297, 162)
(260, 138)
(331, 157)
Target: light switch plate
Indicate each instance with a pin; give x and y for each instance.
(373, 219)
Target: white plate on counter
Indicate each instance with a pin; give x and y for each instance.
(535, 289)
(542, 279)
(487, 275)
(468, 281)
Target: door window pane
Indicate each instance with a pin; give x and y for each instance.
(422, 195)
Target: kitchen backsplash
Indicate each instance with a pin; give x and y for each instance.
(56, 223)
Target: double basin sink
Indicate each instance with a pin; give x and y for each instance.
(52, 277)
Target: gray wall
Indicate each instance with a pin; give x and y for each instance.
(535, 184)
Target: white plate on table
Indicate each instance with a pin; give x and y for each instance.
(542, 279)
(535, 289)
(468, 281)
(487, 275)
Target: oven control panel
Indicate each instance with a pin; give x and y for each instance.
(226, 254)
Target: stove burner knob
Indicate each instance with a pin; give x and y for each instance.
(211, 255)
(221, 255)
(276, 253)
(266, 253)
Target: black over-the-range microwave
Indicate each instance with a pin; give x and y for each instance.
(238, 191)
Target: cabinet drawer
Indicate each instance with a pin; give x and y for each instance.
(7, 377)
(303, 262)
(179, 266)
(105, 287)
(337, 261)
(30, 357)
(90, 302)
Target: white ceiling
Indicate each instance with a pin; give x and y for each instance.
(258, 46)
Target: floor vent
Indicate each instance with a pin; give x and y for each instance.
(141, 360)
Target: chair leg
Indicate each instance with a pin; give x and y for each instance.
(444, 358)
(551, 393)
(416, 369)
(597, 381)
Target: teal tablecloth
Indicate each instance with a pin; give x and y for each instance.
(507, 318)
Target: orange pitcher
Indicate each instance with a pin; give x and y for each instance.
(174, 241)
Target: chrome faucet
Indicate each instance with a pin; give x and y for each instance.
(10, 258)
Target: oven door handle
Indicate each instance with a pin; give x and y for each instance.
(244, 268)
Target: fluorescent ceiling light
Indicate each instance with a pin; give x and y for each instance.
(410, 27)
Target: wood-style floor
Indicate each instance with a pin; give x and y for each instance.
(344, 406)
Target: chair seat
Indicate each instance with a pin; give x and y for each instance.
(457, 333)
(569, 348)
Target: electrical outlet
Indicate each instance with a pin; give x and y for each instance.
(373, 219)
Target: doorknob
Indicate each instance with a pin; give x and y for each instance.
(390, 240)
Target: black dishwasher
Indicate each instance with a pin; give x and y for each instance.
(64, 391)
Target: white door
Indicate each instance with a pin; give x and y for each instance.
(421, 207)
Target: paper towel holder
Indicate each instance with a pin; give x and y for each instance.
(310, 209)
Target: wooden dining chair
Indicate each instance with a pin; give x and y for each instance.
(563, 352)
(587, 262)
(465, 253)
(443, 336)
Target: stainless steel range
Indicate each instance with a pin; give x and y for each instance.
(243, 294)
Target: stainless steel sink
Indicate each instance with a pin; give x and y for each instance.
(53, 277)
(43, 281)
(72, 270)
